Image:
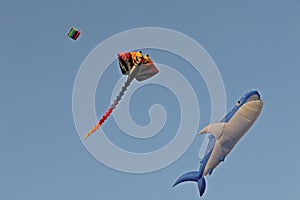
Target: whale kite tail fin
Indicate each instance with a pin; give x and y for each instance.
(195, 176)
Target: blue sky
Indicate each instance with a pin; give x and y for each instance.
(254, 44)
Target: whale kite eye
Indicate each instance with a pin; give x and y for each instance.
(238, 103)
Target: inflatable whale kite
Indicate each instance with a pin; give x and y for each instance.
(224, 136)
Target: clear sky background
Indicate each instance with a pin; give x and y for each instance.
(255, 44)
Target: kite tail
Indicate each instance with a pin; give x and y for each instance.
(109, 111)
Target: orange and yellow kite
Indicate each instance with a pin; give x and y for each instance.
(136, 66)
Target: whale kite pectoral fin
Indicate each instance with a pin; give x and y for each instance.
(222, 158)
(215, 129)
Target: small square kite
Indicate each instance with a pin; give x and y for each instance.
(74, 33)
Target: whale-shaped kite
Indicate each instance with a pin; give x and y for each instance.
(225, 135)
